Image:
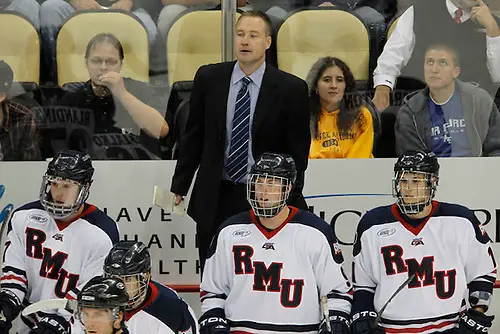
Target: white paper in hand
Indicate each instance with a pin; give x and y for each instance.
(166, 200)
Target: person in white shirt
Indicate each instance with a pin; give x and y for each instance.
(468, 25)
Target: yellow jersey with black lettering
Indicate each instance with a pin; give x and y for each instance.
(330, 144)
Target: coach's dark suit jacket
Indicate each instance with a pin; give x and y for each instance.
(280, 124)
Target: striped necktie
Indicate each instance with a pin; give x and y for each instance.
(237, 160)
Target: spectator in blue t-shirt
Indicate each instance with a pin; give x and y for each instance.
(449, 117)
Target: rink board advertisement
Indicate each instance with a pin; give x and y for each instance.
(339, 191)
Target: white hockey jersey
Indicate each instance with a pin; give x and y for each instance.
(447, 252)
(272, 281)
(45, 260)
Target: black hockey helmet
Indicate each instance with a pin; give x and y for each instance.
(107, 293)
(416, 163)
(128, 258)
(68, 169)
(72, 165)
(107, 3)
(130, 261)
(103, 292)
(270, 169)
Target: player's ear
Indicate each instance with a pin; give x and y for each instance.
(117, 323)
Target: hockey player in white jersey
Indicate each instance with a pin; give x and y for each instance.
(101, 307)
(54, 245)
(152, 306)
(268, 268)
(441, 245)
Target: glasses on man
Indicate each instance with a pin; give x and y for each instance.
(110, 62)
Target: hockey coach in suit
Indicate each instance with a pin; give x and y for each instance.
(239, 110)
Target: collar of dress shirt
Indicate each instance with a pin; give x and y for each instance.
(256, 76)
(452, 9)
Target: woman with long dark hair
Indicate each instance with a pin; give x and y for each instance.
(341, 125)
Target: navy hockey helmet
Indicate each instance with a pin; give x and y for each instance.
(107, 3)
(270, 182)
(107, 293)
(66, 184)
(416, 177)
(130, 261)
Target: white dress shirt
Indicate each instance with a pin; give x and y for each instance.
(399, 48)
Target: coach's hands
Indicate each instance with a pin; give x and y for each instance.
(214, 322)
(178, 199)
(10, 306)
(473, 321)
(363, 323)
(382, 97)
(53, 324)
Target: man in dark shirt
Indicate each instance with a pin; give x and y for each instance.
(99, 123)
(18, 134)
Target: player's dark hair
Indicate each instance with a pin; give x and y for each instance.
(261, 15)
(105, 38)
(350, 106)
(448, 48)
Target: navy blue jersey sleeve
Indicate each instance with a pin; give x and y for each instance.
(103, 221)
(169, 308)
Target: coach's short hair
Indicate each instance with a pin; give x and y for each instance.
(263, 16)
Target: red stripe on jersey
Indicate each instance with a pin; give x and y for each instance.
(409, 227)
(17, 278)
(270, 234)
(153, 294)
(88, 209)
(203, 293)
(418, 330)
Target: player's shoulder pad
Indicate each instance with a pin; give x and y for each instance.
(101, 220)
(35, 205)
(167, 306)
(377, 216)
(457, 210)
(309, 219)
(242, 218)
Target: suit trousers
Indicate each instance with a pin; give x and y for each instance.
(232, 200)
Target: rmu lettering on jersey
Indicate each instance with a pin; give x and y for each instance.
(448, 253)
(267, 278)
(54, 259)
(270, 281)
(52, 264)
(444, 280)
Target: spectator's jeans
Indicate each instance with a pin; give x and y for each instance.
(53, 13)
(28, 8)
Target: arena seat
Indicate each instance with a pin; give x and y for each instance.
(20, 47)
(392, 26)
(194, 40)
(309, 34)
(79, 29)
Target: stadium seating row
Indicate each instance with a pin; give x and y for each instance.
(194, 40)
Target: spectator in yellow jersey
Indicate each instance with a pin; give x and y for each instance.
(341, 125)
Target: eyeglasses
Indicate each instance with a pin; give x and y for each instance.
(98, 61)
